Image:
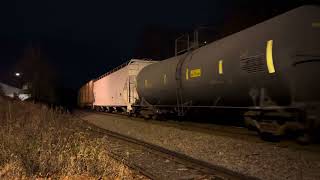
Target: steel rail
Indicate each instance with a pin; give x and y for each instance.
(199, 165)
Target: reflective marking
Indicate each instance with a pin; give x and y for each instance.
(195, 73)
(221, 67)
(145, 83)
(165, 79)
(187, 74)
(316, 24)
(270, 57)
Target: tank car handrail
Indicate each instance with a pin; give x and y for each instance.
(236, 107)
(306, 61)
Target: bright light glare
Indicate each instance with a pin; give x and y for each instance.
(17, 74)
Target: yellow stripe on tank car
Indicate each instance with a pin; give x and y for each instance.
(145, 83)
(316, 24)
(187, 73)
(270, 57)
(221, 67)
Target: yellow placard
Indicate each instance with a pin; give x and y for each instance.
(195, 73)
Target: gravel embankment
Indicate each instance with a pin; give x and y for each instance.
(260, 160)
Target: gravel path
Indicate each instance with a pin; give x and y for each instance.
(261, 160)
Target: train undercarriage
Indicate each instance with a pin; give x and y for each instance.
(271, 123)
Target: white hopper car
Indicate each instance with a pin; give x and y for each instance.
(116, 90)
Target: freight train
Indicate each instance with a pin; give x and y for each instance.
(269, 71)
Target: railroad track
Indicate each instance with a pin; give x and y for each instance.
(156, 162)
(238, 132)
(235, 132)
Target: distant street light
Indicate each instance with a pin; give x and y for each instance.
(18, 74)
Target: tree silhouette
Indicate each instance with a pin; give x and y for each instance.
(37, 72)
(246, 13)
(1, 91)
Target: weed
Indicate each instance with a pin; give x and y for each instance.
(41, 142)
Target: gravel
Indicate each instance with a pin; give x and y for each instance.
(261, 160)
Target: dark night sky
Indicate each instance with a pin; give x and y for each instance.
(84, 39)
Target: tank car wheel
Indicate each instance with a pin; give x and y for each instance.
(250, 125)
(249, 121)
(267, 136)
(155, 117)
(304, 139)
(146, 117)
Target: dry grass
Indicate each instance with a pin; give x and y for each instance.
(39, 142)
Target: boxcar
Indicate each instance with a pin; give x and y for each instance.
(85, 95)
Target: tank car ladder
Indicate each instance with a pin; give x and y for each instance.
(191, 44)
(180, 103)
